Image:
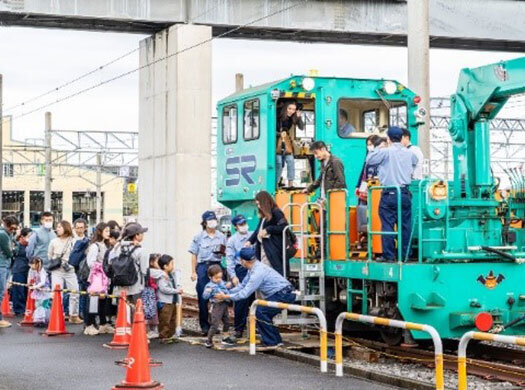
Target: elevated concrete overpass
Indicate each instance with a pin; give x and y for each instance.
(460, 24)
(175, 71)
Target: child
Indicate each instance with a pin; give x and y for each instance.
(149, 295)
(218, 309)
(167, 299)
(38, 275)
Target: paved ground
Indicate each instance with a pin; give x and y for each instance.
(30, 361)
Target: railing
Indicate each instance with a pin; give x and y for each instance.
(462, 350)
(382, 233)
(438, 345)
(303, 309)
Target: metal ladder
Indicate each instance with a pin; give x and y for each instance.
(310, 275)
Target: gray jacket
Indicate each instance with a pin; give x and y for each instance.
(141, 259)
(167, 289)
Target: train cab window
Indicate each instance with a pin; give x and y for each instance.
(370, 120)
(251, 119)
(229, 124)
(359, 117)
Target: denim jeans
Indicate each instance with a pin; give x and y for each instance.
(4, 275)
(19, 293)
(388, 216)
(270, 334)
(290, 167)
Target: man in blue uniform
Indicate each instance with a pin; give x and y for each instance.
(237, 272)
(207, 248)
(271, 285)
(395, 168)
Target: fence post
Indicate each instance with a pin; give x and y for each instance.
(304, 309)
(438, 345)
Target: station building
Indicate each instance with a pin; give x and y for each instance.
(73, 188)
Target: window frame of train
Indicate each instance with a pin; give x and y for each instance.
(251, 126)
(396, 104)
(228, 109)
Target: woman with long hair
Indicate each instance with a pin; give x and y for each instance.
(289, 118)
(60, 249)
(98, 281)
(268, 236)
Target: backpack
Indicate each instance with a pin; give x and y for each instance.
(83, 271)
(106, 265)
(123, 268)
(78, 253)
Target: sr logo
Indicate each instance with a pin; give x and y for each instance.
(240, 166)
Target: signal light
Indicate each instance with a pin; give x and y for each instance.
(417, 99)
(484, 321)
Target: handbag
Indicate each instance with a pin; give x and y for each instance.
(56, 262)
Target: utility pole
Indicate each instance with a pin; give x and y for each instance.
(418, 63)
(48, 177)
(1, 146)
(239, 82)
(99, 188)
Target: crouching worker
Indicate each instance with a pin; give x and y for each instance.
(219, 309)
(271, 285)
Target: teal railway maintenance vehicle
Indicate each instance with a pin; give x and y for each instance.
(465, 270)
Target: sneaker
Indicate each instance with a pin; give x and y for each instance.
(5, 324)
(208, 344)
(91, 331)
(75, 320)
(229, 341)
(106, 329)
(153, 334)
(238, 335)
(40, 325)
(167, 341)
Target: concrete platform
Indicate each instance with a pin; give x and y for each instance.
(30, 361)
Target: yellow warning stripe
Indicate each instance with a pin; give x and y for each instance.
(298, 95)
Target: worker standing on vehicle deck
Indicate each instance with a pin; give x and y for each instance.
(237, 272)
(207, 248)
(332, 175)
(271, 285)
(395, 168)
(418, 171)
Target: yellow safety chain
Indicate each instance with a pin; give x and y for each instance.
(77, 292)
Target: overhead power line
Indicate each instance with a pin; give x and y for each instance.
(121, 75)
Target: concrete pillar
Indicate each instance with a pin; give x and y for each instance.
(239, 82)
(418, 63)
(67, 205)
(174, 140)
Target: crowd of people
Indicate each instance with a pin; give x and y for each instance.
(107, 262)
(113, 260)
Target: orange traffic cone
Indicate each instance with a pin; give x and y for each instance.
(138, 360)
(30, 309)
(6, 308)
(57, 324)
(122, 327)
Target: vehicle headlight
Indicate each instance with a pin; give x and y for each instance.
(390, 87)
(308, 84)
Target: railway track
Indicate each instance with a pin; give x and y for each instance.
(483, 366)
(491, 362)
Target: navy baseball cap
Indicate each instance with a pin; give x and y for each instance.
(208, 215)
(238, 220)
(395, 133)
(247, 254)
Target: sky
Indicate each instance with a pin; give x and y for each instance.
(35, 61)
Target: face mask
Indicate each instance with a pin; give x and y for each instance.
(243, 229)
(48, 225)
(370, 148)
(212, 224)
